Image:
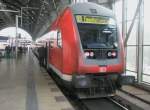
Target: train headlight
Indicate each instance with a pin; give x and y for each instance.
(114, 54)
(109, 54)
(91, 54)
(87, 54)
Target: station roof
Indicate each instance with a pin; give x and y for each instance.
(37, 15)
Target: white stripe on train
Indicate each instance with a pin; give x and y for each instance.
(60, 74)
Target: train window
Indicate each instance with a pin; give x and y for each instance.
(53, 38)
(59, 39)
(97, 36)
(97, 32)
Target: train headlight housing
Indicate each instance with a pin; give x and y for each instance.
(112, 54)
(89, 54)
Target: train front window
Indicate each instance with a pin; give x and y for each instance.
(97, 32)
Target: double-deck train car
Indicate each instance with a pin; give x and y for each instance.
(86, 51)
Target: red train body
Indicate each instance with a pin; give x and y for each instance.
(85, 49)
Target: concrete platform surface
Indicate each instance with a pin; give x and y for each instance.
(132, 100)
(26, 86)
(145, 95)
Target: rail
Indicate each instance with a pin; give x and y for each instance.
(114, 101)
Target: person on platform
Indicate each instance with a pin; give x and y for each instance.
(41, 52)
(45, 56)
(8, 51)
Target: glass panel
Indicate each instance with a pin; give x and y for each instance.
(59, 39)
(146, 51)
(97, 36)
(131, 8)
(146, 60)
(131, 74)
(118, 11)
(146, 22)
(120, 28)
(131, 58)
(133, 34)
(53, 38)
(97, 32)
(146, 78)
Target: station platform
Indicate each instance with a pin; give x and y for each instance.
(26, 86)
(136, 96)
(137, 92)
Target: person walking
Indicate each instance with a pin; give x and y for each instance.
(0, 56)
(45, 56)
(8, 51)
(41, 52)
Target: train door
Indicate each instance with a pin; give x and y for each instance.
(46, 54)
(59, 49)
(49, 47)
(55, 57)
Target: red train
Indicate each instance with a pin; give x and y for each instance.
(86, 51)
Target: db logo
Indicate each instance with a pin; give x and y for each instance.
(102, 69)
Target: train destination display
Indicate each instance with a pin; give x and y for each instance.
(94, 19)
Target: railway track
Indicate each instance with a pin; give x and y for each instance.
(117, 103)
(109, 103)
(132, 95)
(101, 104)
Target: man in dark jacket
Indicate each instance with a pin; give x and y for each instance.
(41, 52)
(8, 51)
(45, 57)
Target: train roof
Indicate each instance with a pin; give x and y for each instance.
(89, 8)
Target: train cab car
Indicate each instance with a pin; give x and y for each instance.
(86, 51)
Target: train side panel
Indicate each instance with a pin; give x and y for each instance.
(70, 42)
(65, 59)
